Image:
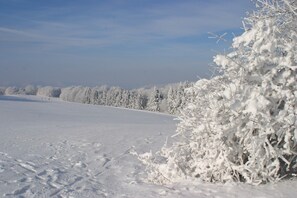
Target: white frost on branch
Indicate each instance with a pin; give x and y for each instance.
(241, 126)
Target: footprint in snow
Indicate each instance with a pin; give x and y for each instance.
(19, 192)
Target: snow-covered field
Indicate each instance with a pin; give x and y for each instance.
(50, 148)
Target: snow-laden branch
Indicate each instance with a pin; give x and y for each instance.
(241, 126)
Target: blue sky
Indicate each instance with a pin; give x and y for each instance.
(127, 43)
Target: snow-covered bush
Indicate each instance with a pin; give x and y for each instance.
(241, 126)
(28, 90)
(76, 94)
(48, 91)
(11, 91)
(2, 90)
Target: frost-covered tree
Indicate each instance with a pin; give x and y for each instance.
(12, 91)
(241, 126)
(49, 91)
(176, 97)
(154, 100)
(93, 96)
(114, 96)
(2, 90)
(100, 96)
(140, 100)
(76, 94)
(126, 99)
(170, 101)
(30, 90)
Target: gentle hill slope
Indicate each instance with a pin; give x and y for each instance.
(50, 148)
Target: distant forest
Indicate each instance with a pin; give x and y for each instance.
(168, 99)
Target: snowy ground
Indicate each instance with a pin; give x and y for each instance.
(50, 148)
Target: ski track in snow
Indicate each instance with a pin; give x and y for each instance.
(43, 157)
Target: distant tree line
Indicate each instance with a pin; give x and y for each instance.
(169, 99)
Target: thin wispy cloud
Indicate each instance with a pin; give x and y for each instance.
(123, 26)
(113, 32)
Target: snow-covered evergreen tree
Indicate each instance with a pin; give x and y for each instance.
(139, 100)
(154, 100)
(126, 100)
(102, 94)
(176, 97)
(94, 94)
(170, 101)
(181, 96)
(241, 126)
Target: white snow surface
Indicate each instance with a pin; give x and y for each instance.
(50, 148)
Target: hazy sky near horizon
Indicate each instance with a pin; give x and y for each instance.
(127, 43)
